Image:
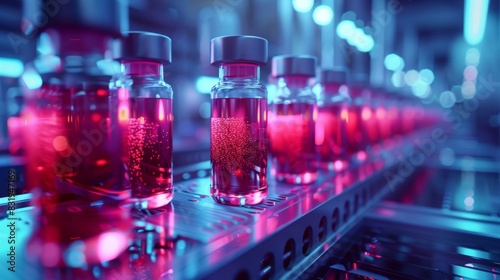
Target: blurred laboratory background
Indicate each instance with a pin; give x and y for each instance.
(440, 52)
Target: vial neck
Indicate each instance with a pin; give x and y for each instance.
(294, 81)
(239, 71)
(143, 69)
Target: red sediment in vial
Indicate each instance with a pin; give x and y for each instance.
(149, 146)
(232, 146)
(238, 145)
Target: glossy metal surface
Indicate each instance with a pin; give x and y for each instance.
(196, 238)
(444, 224)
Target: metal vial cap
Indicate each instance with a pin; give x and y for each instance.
(249, 49)
(335, 75)
(138, 45)
(294, 65)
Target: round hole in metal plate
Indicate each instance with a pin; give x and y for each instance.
(335, 219)
(322, 229)
(267, 267)
(289, 254)
(307, 241)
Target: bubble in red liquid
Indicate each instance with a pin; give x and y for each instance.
(149, 147)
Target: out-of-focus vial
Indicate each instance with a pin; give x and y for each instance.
(332, 119)
(141, 119)
(238, 125)
(362, 129)
(292, 120)
(67, 114)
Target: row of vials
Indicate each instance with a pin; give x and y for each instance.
(115, 140)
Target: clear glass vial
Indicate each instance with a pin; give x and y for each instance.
(238, 124)
(67, 115)
(332, 119)
(361, 126)
(141, 119)
(292, 120)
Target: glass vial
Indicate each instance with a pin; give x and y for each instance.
(292, 120)
(361, 126)
(332, 119)
(141, 119)
(70, 117)
(238, 124)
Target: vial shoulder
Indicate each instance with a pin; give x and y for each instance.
(236, 90)
(295, 95)
(143, 88)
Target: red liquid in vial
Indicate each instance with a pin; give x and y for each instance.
(72, 140)
(408, 119)
(384, 125)
(394, 120)
(53, 157)
(238, 150)
(355, 130)
(292, 138)
(149, 149)
(370, 122)
(330, 133)
(89, 141)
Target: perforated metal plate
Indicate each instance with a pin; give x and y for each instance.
(196, 238)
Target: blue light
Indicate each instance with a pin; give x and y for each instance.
(44, 45)
(355, 37)
(469, 201)
(10, 67)
(366, 44)
(205, 110)
(204, 84)
(394, 62)
(345, 28)
(472, 57)
(421, 89)
(398, 79)
(476, 13)
(303, 6)
(271, 93)
(427, 76)
(74, 256)
(447, 99)
(32, 79)
(323, 15)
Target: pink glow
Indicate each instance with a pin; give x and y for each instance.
(60, 143)
(361, 155)
(14, 125)
(366, 113)
(50, 254)
(123, 94)
(102, 92)
(470, 73)
(338, 165)
(110, 245)
(386, 212)
(161, 111)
